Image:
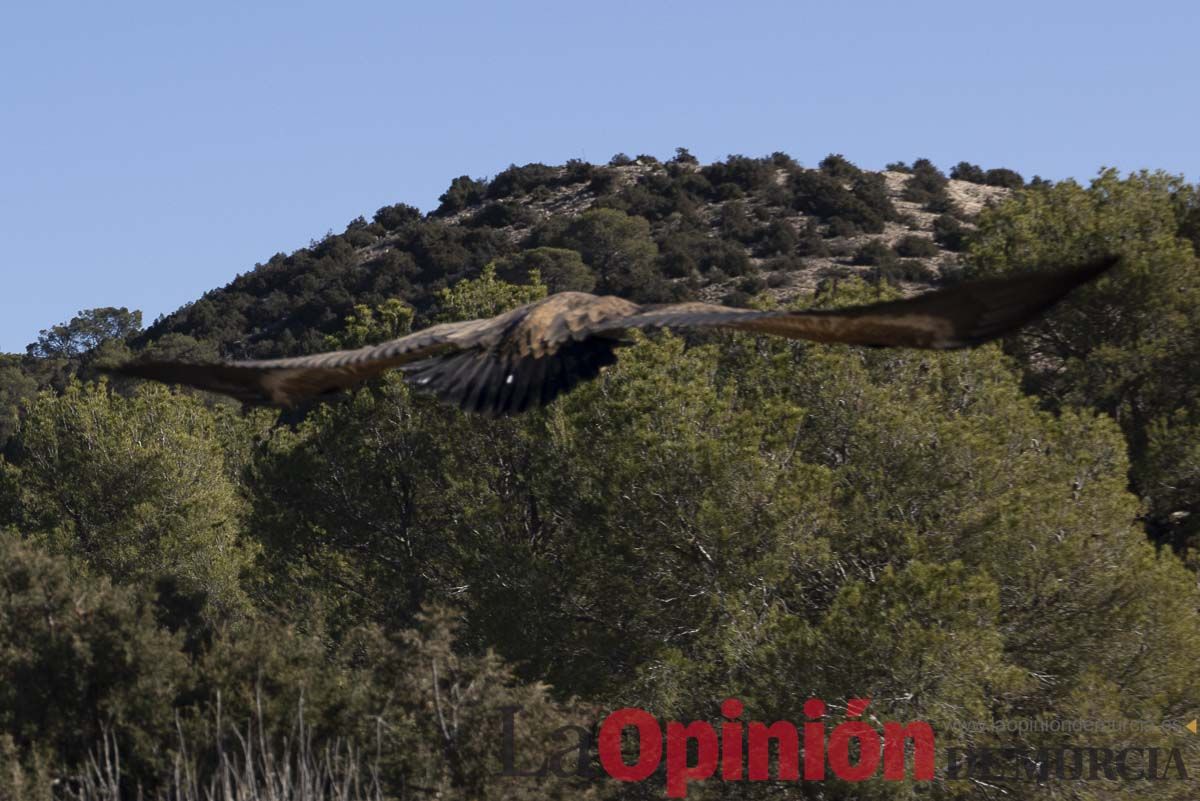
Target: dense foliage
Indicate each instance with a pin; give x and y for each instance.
(961, 537)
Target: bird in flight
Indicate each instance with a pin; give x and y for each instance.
(528, 356)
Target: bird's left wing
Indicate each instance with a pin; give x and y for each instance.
(958, 317)
(284, 382)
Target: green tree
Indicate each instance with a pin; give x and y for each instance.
(684, 156)
(1126, 346)
(925, 184)
(949, 232)
(17, 387)
(518, 181)
(618, 248)
(875, 252)
(1004, 177)
(839, 166)
(966, 532)
(182, 347)
(397, 216)
(914, 246)
(133, 488)
(392, 319)
(85, 331)
(81, 658)
(464, 191)
(779, 238)
(735, 222)
(747, 174)
(863, 204)
(966, 171)
(486, 296)
(560, 269)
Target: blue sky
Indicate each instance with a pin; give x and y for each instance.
(152, 151)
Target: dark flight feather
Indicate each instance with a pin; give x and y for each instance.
(529, 356)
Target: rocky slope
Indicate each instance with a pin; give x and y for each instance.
(719, 232)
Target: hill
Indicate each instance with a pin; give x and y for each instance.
(637, 227)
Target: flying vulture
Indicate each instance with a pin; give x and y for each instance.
(528, 356)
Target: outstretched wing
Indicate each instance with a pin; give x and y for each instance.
(283, 382)
(969, 314)
(529, 356)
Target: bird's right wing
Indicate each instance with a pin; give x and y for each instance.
(961, 316)
(284, 382)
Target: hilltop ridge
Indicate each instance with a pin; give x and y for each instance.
(638, 227)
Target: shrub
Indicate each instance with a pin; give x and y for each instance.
(1000, 176)
(678, 253)
(577, 171)
(737, 298)
(752, 284)
(359, 237)
(841, 227)
(81, 655)
(875, 253)
(658, 195)
(682, 253)
(782, 161)
(966, 171)
(729, 191)
(776, 195)
(561, 270)
(941, 203)
(871, 189)
(811, 243)
(747, 174)
(683, 156)
(778, 277)
(838, 166)
(841, 248)
(620, 160)
(397, 216)
(728, 258)
(691, 182)
(925, 183)
(866, 205)
(904, 270)
(949, 232)
(777, 238)
(502, 215)
(618, 249)
(603, 181)
(782, 264)
(917, 247)
(464, 191)
(830, 276)
(735, 224)
(517, 181)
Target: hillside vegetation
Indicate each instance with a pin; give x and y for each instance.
(362, 588)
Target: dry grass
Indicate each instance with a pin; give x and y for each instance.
(240, 764)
